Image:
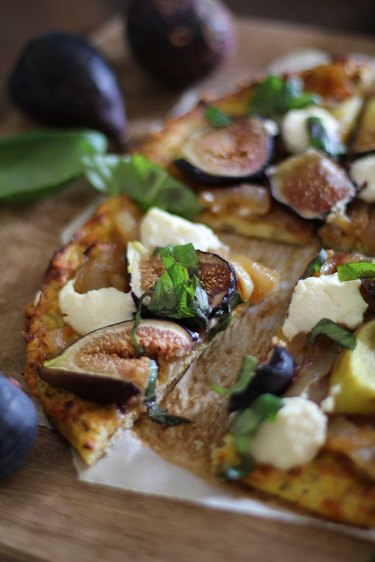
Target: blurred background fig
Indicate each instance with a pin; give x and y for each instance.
(180, 42)
(18, 425)
(61, 80)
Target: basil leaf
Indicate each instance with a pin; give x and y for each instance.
(146, 183)
(315, 264)
(216, 117)
(320, 139)
(160, 415)
(226, 317)
(267, 405)
(333, 331)
(278, 95)
(356, 270)
(152, 380)
(245, 374)
(39, 163)
(242, 428)
(236, 472)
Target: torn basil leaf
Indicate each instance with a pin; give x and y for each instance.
(356, 270)
(321, 140)
(245, 374)
(223, 320)
(146, 183)
(152, 380)
(267, 405)
(315, 264)
(216, 117)
(276, 95)
(162, 416)
(337, 333)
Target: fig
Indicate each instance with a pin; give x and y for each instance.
(61, 80)
(18, 425)
(103, 366)
(311, 184)
(180, 42)
(230, 155)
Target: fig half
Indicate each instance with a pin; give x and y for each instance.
(229, 155)
(102, 366)
(310, 184)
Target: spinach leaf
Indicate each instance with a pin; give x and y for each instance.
(315, 264)
(39, 163)
(245, 374)
(216, 117)
(146, 183)
(321, 140)
(356, 270)
(333, 331)
(276, 95)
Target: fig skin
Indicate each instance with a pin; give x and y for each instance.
(180, 42)
(18, 426)
(61, 80)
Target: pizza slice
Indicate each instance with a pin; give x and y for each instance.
(124, 309)
(302, 422)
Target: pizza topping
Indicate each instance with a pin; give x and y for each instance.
(331, 330)
(356, 270)
(103, 366)
(352, 383)
(229, 155)
(321, 297)
(154, 411)
(365, 137)
(245, 199)
(293, 437)
(313, 126)
(311, 184)
(362, 172)
(159, 229)
(315, 265)
(216, 117)
(97, 308)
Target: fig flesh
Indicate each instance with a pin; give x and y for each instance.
(180, 42)
(18, 426)
(311, 184)
(102, 366)
(229, 155)
(61, 80)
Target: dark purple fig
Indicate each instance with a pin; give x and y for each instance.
(103, 366)
(18, 426)
(180, 42)
(273, 377)
(61, 80)
(218, 279)
(228, 155)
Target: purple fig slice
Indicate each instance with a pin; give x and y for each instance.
(218, 279)
(102, 366)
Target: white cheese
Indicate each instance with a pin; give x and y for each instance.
(362, 172)
(97, 308)
(294, 127)
(315, 298)
(293, 438)
(159, 229)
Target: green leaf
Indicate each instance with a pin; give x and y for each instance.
(39, 163)
(160, 415)
(147, 184)
(216, 117)
(316, 264)
(333, 331)
(267, 405)
(276, 95)
(236, 472)
(245, 374)
(320, 139)
(152, 380)
(356, 270)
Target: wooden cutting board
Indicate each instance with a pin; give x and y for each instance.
(46, 514)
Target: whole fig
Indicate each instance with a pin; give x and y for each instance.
(180, 42)
(18, 425)
(61, 80)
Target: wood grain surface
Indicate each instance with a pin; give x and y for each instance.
(46, 514)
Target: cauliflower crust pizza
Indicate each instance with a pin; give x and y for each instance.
(136, 297)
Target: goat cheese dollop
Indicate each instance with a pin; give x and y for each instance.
(362, 172)
(293, 438)
(294, 127)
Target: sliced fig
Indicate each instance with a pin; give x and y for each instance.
(218, 279)
(244, 199)
(365, 138)
(144, 268)
(229, 155)
(102, 366)
(310, 184)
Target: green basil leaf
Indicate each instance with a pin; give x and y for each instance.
(146, 183)
(320, 139)
(39, 163)
(245, 374)
(236, 472)
(276, 95)
(152, 380)
(315, 264)
(333, 331)
(356, 270)
(216, 117)
(267, 405)
(160, 415)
